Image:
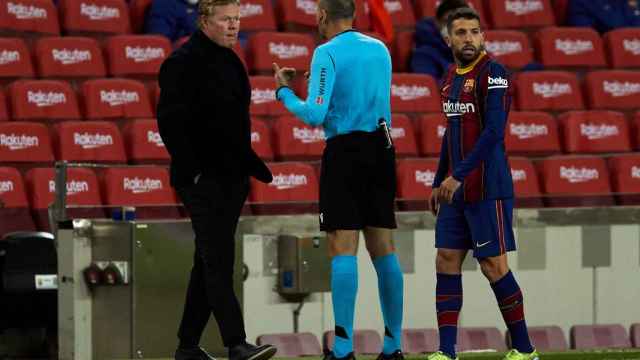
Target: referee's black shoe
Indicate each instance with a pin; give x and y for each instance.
(331, 356)
(396, 355)
(194, 353)
(246, 351)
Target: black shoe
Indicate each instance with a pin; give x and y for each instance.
(330, 356)
(396, 355)
(195, 353)
(247, 351)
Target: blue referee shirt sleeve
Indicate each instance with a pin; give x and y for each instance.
(495, 118)
(322, 75)
(443, 164)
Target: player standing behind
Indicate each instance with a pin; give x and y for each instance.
(349, 93)
(474, 204)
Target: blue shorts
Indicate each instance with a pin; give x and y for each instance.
(484, 226)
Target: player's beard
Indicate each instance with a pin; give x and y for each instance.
(465, 57)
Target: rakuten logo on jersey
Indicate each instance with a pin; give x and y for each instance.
(528, 131)
(410, 92)
(153, 137)
(425, 177)
(18, 142)
(393, 6)
(8, 57)
(6, 186)
(119, 97)
(23, 12)
(523, 7)
(288, 181)
(255, 137)
(262, 96)
(92, 141)
(398, 133)
(307, 6)
(73, 187)
(441, 131)
(635, 173)
(283, 51)
(518, 175)
(308, 136)
(574, 47)
(141, 54)
(578, 175)
(632, 46)
(249, 10)
(43, 99)
(94, 12)
(619, 89)
(595, 132)
(551, 90)
(140, 186)
(70, 57)
(457, 108)
(500, 48)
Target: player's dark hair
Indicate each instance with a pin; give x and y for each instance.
(338, 9)
(461, 13)
(447, 6)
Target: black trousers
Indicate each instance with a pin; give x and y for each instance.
(214, 205)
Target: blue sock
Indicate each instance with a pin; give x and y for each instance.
(390, 290)
(510, 301)
(344, 286)
(448, 306)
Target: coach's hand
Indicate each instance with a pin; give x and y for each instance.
(283, 76)
(448, 188)
(434, 202)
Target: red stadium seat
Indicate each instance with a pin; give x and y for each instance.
(116, 98)
(546, 338)
(560, 11)
(286, 49)
(83, 194)
(104, 17)
(37, 17)
(635, 131)
(548, 90)
(263, 97)
(294, 189)
(575, 181)
(617, 89)
(257, 15)
(403, 44)
(562, 46)
(427, 8)
(401, 12)
(481, 338)
(69, 57)
(595, 132)
(15, 59)
(143, 142)
(519, 14)
(419, 341)
(136, 55)
(415, 177)
(25, 143)
(261, 139)
(635, 335)
(94, 141)
(623, 47)
(414, 93)
(4, 112)
(293, 344)
(146, 188)
(432, 128)
(365, 342)
(532, 133)
(362, 21)
(404, 138)
(511, 48)
(297, 15)
(625, 178)
(591, 337)
(43, 100)
(14, 208)
(295, 140)
(525, 183)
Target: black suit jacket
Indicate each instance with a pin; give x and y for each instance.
(203, 113)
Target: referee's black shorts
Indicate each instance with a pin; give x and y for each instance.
(357, 182)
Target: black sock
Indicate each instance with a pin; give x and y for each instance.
(187, 344)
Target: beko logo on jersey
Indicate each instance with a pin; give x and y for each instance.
(425, 177)
(578, 175)
(262, 96)
(409, 92)
(635, 173)
(117, 98)
(154, 137)
(573, 47)
(308, 136)
(6, 186)
(528, 131)
(69, 57)
(518, 175)
(307, 6)
(283, 51)
(248, 10)
(139, 186)
(632, 46)
(618, 89)
(595, 132)
(500, 48)
(288, 181)
(142, 54)
(94, 12)
(42, 99)
(457, 108)
(8, 57)
(18, 142)
(497, 82)
(24, 12)
(551, 90)
(523, 7)
(73, 187)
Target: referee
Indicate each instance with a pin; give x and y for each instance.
(349, 89)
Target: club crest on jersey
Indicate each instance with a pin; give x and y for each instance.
(468, 85)
(319, 100)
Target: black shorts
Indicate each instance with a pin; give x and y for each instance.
(357, 183)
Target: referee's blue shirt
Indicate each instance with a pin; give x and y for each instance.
(349, 86)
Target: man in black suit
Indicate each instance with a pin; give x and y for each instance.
(203, 117)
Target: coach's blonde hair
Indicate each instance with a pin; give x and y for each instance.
(206, 8)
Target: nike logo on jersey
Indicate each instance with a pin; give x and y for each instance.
(483, 244)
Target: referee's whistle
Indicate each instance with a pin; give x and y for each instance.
(387, 134)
